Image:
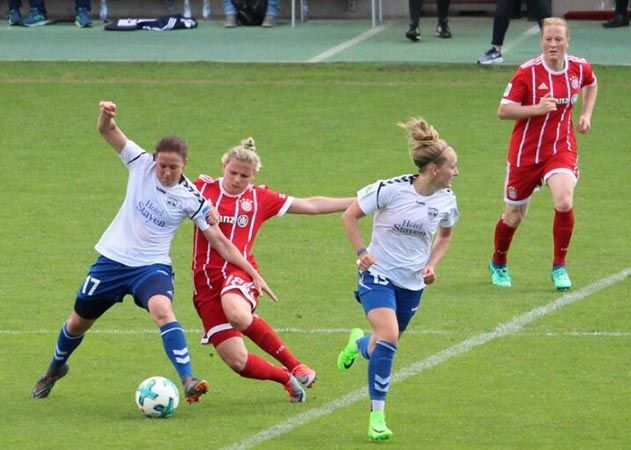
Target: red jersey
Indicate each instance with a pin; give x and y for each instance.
(241, 217)
(538, 138)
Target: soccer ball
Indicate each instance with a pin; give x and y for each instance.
(157, 397)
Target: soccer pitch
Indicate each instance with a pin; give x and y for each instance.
(480, 368)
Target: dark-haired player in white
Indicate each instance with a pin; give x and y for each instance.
(134, 252)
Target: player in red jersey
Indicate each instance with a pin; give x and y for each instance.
(224, 296)
(542, 150)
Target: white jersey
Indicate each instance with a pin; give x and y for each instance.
(142, 231)
(404, 227)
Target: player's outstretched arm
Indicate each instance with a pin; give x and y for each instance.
(319, 205)
(108, 128)
(230, 253)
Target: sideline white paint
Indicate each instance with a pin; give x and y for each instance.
(503, 329)
(342, 331)
(344, 45)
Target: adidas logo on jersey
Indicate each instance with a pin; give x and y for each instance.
(543, 86)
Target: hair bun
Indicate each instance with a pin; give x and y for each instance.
(248, 143)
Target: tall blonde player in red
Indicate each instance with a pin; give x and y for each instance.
(224, 295)
(542, 150)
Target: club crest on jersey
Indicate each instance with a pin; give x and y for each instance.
(575, 83)
(241, 221)
(432, 213)
(246, 204)
(512, 192)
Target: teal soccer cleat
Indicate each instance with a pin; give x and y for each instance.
(561, 278)
(499, 275)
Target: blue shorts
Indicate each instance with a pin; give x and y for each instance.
(108, 282)
(375, 291)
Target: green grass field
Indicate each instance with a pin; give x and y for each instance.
(551, 378)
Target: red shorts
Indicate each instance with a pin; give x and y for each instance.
(521, 182)
(207, 301)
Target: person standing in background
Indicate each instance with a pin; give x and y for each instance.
(416, 9)
(38, 16)
(621, 16)
(540, 9)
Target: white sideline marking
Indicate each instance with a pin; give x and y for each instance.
(503, 329)
(342, 331)
(522, 37)
(344, 45)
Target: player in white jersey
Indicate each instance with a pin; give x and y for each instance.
(134, 252)
(411, 232)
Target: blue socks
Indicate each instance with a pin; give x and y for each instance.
(173, 339)
(380, 369)
(362, 346)
(66, 344)
(175, 346)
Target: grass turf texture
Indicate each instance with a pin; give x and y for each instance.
(561, 382)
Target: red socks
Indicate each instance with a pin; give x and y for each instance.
(267, 339)
(562, 229)
(259, 369)
(503, 238)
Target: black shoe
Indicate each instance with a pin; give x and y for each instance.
(413, 34)
(45, 384)
(618, 21)
(442, 30)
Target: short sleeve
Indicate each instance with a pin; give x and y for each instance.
(130, 152)
(194, 204)
(450, 219)
(373, 197)
(589, 78)
(517, 90)
(272, 203)
(450, 212)
(200, 217)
